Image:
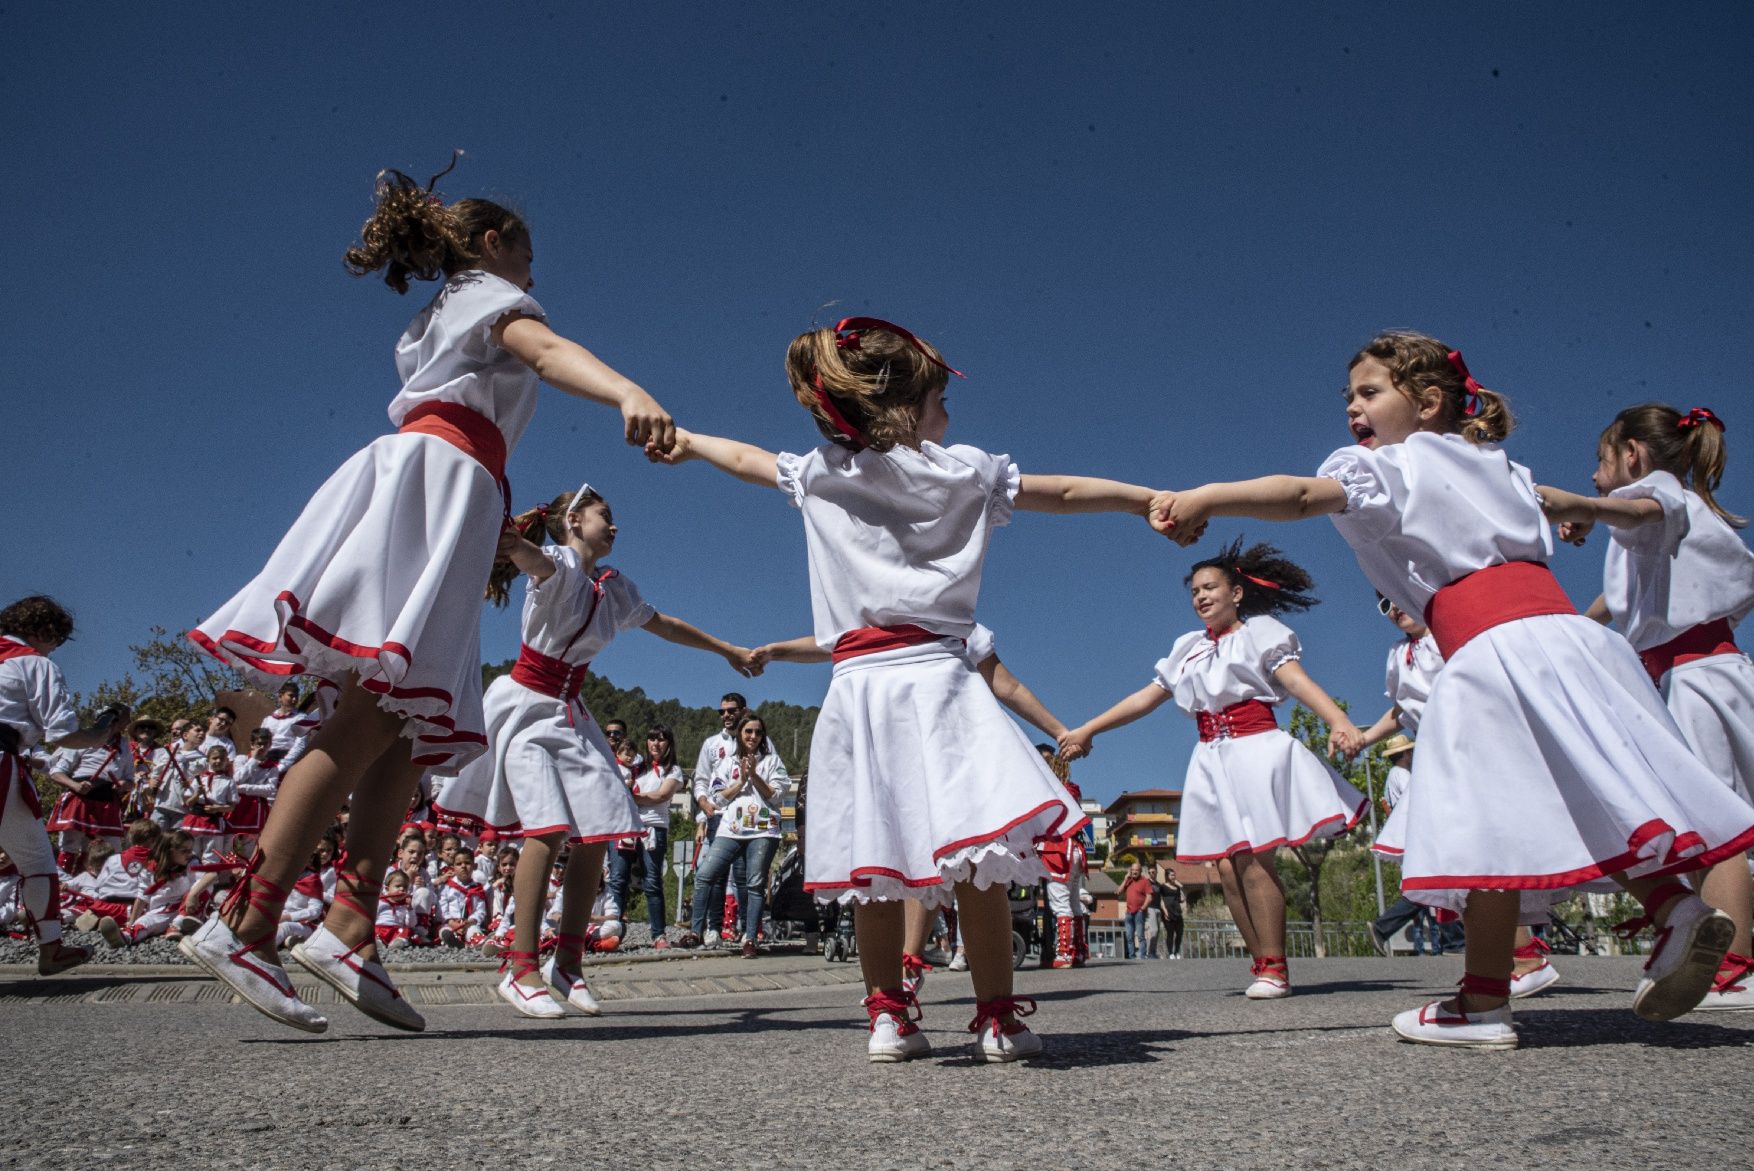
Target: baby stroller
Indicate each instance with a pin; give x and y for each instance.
(790, 903)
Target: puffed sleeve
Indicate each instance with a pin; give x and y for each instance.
(792, 476)
(1665, 536)
(980, 646)
(1273, 642)
(1169, 668)
(1004, 481)
(633, 609)
(1370, 508)
(566, 568)
(474, 304)
(64, 761)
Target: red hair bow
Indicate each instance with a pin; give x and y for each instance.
(1260, 581)
(848, 335)
(1470, 404)
(1697, 416)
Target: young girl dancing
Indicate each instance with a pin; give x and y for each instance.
(1678, 580)
(1251, 787)
(920, 783)
(549, 775)
(1582, 774)
(36, 708)
(376, 587)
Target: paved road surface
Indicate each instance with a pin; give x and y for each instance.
(723, 1063)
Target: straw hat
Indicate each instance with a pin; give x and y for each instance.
(146, 724)
(1395, 745)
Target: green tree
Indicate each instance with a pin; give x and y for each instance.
(176, 678)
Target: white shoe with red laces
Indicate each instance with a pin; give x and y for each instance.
(1683, 965)
(568, 992)
(1272, 981)
(1534, 980)
(1436, 1024)
(262, 983)
(1733, 989)
(999, 1041)
(894, 1035)
(361, 982)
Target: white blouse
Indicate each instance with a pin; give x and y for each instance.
(1204, 674)
(1674, 574)
(447, 354)
(897, 537)
(1413, 666)
(1423, 513)
(647, 781)
(34, 700)
(555, 609)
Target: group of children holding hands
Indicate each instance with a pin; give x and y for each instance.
(1552, 753)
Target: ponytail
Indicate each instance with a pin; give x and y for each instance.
(1422, 365)
(1271, 582)
(1688, 446)
(412, 233)
(864, 381)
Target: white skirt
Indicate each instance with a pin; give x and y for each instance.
(1391, 838)
(1245, 794)
(546, 770)
(1712, 700)
(1547, 761)
(918, 780)
(381, 576)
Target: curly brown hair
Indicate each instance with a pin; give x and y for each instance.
(1422, 365)
(414, 233)
(875, 378)
(545, 521)
(37, 617)
(1271, 582)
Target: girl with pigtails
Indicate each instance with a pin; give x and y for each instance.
(1251, 786)
(549, 775)
(376, 588)
(1546, 760)
(919, 783)
(1677, 582)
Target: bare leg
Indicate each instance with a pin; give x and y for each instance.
(880, 928)
(986, 938)
(380, 801)
(1727, 887)
(530, 889)
(1259, 879)
(1525, 965)
(918, 930)
(584, 869)
(1491, 920)
(1238, 904)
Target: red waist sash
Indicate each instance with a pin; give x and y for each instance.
(1491, 597)
(1248, 718)
(470, 432)
(868, 640)
(1700, 642)
(552, 677)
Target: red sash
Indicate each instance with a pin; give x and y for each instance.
(469, 432)
(1251, 717)
(869, 640)
(1700, 642)
(1491, 597)
(555, 677)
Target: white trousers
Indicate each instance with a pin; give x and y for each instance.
(26, 842)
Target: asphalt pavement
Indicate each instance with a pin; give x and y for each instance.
(726, 1063)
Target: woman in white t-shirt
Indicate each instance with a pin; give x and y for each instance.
(750, 782)
(654, 779)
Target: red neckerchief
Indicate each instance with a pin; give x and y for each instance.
(11, 648)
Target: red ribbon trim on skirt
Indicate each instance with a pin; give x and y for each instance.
(870, 640)
(1490, 597)
(1699, 642)
(1251, 717)
(470, 432)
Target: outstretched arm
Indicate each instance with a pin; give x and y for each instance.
(1344, 739)
(793, 650)
(745, 461)
(1577, 515)
(1182, 516)
(1387, 725)
(1082, 494)
(1141, 703)
(569, 367)
(1599, 611)
(675, 630)
(1009, 690)
(526, 555)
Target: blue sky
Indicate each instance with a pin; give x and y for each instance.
(1151, 235)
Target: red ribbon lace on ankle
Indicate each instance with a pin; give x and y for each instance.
(993, 1012)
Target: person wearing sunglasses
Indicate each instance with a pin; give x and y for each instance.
(654, 780)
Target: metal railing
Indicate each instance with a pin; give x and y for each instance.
(1208, 939)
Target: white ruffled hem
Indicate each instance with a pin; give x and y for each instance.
(1005, 861)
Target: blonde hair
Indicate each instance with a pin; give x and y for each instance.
(873, 377)
(414, 233)
(1688, 446)
(1420, 365)
(544, 521)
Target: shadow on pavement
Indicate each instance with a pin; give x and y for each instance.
(68, 985)
(1558, 1028)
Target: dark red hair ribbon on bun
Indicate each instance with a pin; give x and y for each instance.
(848, 335)
(1260, 581)
(1697, 416)
(1471, 404)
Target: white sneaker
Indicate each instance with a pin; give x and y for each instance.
(450, 938)
(997, 1043)
(895, 1039)
(1536, 980)
(1733, 989)
(571, 993)
(1436, 1025)
(112, 933)
(1268, 984)
(262, 984)
(361, 982)
(958, 962)
(1685, 961)
(532, 1002)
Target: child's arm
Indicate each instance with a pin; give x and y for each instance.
(569, 367)
(1141, 703)
(1009, 690)
(742, 659)
(527, 556)
(1343, 735)
(1082, 494)
(751, 464)
(1599, 611)
(1577, 515)
(1386, 725)
(794, 650)
(1182, 516)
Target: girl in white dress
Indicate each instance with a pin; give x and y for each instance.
(1546, 759)
(1677, 582)
(376, 587)
(1251, 787)
(549, 776)
(919, 782)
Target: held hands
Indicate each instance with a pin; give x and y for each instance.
(679, 449)
(648, 425)
(1575, 532)
(1075, 744)
(1345, 740)
(1180, 516)
(746, 661)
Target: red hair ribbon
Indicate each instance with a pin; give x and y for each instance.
(1260, 581)
(1470, 404)
(1697, 416)
(847, 335)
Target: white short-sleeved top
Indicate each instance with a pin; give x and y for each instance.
(649, 780)
(1674, 574)
(1206, 674)
(555, 609)
(34, 700)
(1413, 666)
(897, 537)
(289, 730)
(102, 761)
(979, 646)
(447, 354)
(1435, 508)
(211, 788)
(748, 816)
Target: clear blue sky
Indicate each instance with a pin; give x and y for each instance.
(1151, 234)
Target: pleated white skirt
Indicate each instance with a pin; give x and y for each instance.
(1712, 700)
(1245, 794)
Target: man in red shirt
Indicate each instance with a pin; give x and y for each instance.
(1136, 891)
